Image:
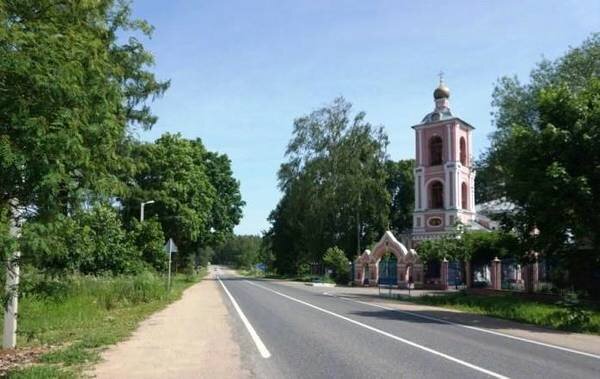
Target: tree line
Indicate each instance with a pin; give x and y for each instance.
(75, 88)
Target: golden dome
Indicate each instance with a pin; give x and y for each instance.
(442, 91)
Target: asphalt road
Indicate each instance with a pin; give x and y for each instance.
(306, 333)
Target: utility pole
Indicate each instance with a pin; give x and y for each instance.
(9, 340)
(142, 209)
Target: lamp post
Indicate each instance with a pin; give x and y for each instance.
(142, 209)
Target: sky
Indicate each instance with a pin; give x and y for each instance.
(242, 71)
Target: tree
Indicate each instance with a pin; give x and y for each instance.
(333, 184)
(197, 199)
(476, 246)
(545, 153)
(70, 87)
(400, 184)
(239, 251)
(148, 239)
(171, 172)
(226, 210)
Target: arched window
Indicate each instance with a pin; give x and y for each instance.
(463, 151)
(436, 195)
(464, 196)
(435, 150)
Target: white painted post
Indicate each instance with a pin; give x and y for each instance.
(9, 339)
(169, 274)
(170, 248)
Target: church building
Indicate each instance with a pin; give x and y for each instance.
(444, 174)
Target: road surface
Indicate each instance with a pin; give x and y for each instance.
(304, 332)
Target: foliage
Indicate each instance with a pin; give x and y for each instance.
(545, 153)
(519, 309)
(335, 259)
(90, 242)
(197, 201)
(240, 251)
(334, 189)
(476, 246)
(400, 184)
(205, 256)
(71, 85)
(149, 240)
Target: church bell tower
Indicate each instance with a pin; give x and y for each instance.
(444, 177)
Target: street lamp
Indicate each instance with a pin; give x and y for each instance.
(142, 209)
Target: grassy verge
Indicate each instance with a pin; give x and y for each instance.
(76, 317)
(576, 318)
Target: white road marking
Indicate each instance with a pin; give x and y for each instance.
(262, 349)
(386, 334)
(476, 328)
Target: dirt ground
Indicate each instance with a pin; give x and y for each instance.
(191, 338)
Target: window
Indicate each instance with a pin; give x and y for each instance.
(464, 196)
(436, 195)
(463, 151)
(434, 221)
(435, 150)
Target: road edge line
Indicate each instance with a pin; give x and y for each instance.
(262, 349)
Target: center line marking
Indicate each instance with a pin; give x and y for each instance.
(379, 331)
(262, 349)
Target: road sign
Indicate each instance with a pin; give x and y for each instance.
(170, 246)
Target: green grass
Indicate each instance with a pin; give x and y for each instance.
(585, 319)
(78, 316)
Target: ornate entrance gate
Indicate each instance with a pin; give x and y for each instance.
(388, 270)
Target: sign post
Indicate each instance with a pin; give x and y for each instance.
(170, 248)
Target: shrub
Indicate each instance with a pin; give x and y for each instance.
(149, 240)
(335, 259)
(90, 242)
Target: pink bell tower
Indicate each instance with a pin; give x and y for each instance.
(444, 177)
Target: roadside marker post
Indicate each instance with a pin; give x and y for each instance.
(170, 248)
(11, 307)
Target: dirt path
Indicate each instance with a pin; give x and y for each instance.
(191, 338)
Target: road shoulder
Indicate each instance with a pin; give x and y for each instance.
(191, 338)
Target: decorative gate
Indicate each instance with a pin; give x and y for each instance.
(455, 274)
(388, 271)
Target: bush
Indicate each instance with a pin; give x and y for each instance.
(90, 242)
(149, 240)
(336, 260)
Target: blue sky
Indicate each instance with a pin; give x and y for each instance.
(241, 71)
